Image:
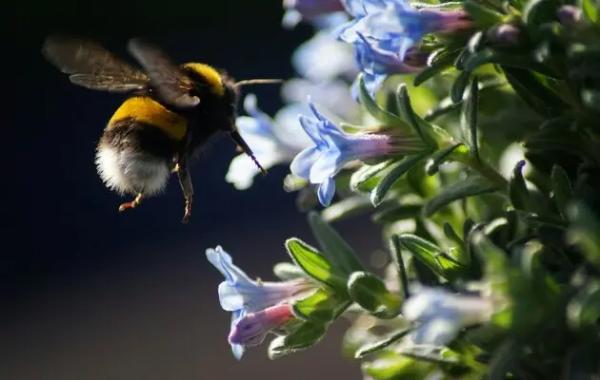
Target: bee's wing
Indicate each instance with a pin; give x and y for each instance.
(91, 65)
(171, 83)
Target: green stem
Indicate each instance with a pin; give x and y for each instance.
(487, 171)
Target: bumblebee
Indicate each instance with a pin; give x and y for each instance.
(169, 114)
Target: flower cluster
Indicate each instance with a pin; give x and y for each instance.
(478, 159)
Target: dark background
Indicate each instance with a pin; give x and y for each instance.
(91, 294)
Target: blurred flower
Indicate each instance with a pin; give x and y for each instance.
(272, 141)
(441, 314)
(243, 296)
(309, 62)
(383, 31)
(333, 148)
(333, 96)
(569, 15)
(311, 10)
(252, 329)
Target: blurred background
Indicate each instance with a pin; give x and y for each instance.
(92, 294)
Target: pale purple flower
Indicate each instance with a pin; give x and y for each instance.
(440, 315)
(272, 141)
(569, 15)
(332, 149)
(505, 34)
(252, 329)
(243, 296)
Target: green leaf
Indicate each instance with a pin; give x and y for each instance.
(365, 179)
(408, 113)
(459, 85)
(533, 92)
(433, 163)
(432, 256)
(396, 171)
(315, 265)
(583, 232)
(561, 188)
(591, 10)
(397, 367)
(459, 252)
(396, 212)
(517, 189)
(440, 62)
(425, 353)
(305, 335)
(469, 187)
(379, 345)
(371, 294)
(583, 311)
(287, 271)
(395, 248)
(374, 109)
(336, 249)
(346, 208)
(322, 306)
(483, 15)
(524, 62)
(469, 118)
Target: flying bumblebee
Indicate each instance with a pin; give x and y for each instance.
(170, 112)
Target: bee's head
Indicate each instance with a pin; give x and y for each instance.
(133, 160)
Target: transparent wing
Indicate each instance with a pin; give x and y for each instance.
(92, 66)
(171, 83)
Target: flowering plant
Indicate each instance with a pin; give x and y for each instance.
(468, 131)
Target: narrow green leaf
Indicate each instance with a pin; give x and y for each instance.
(305, 335)
(395, 248)
(397, 170)
(459, 86)
(583, 311)
(469, 118)
(379, 345)
(517, 189)
(346, 208)
(315, 265)
(407, 112)
(440, 62)
(322, 306)
(561, 189)
(336, 249)
(524, 62)
(396, 212)
(591, 10)
(287, 271)
(482, 14)
(433, 163)
(534, 93)
(364, 179)
(470, 187)
(371, 294)
(432, 256)
(374, 109)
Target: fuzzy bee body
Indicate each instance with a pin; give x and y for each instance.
(169, 114)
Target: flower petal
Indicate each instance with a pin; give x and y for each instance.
(326, 191)
(229, 297)
(302, 163)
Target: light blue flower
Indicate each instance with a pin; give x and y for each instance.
(321, 12)
(332, 149)
(252, 329)
(383, 32)
(242, 296)
(441, 315)
(272, 141)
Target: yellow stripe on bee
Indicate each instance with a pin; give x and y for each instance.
(148, 111)
(211, 75)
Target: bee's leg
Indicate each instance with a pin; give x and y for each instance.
(185, 180)
(133, 204)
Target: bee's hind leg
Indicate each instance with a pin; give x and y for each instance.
(133, 204)
(185, 180)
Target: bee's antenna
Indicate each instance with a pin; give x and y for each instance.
(235, 135)
(249, 82)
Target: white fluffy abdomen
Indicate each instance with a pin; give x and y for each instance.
(131, 172)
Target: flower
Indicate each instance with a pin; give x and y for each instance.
(441, 314)
(308, 59)
(273, 142)
(333, 148)
(243, 296)
(384, 31)
(311, 10)
(569, 15)
(252, 329)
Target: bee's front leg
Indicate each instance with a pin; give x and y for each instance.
(185, 180)
(133, 204)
